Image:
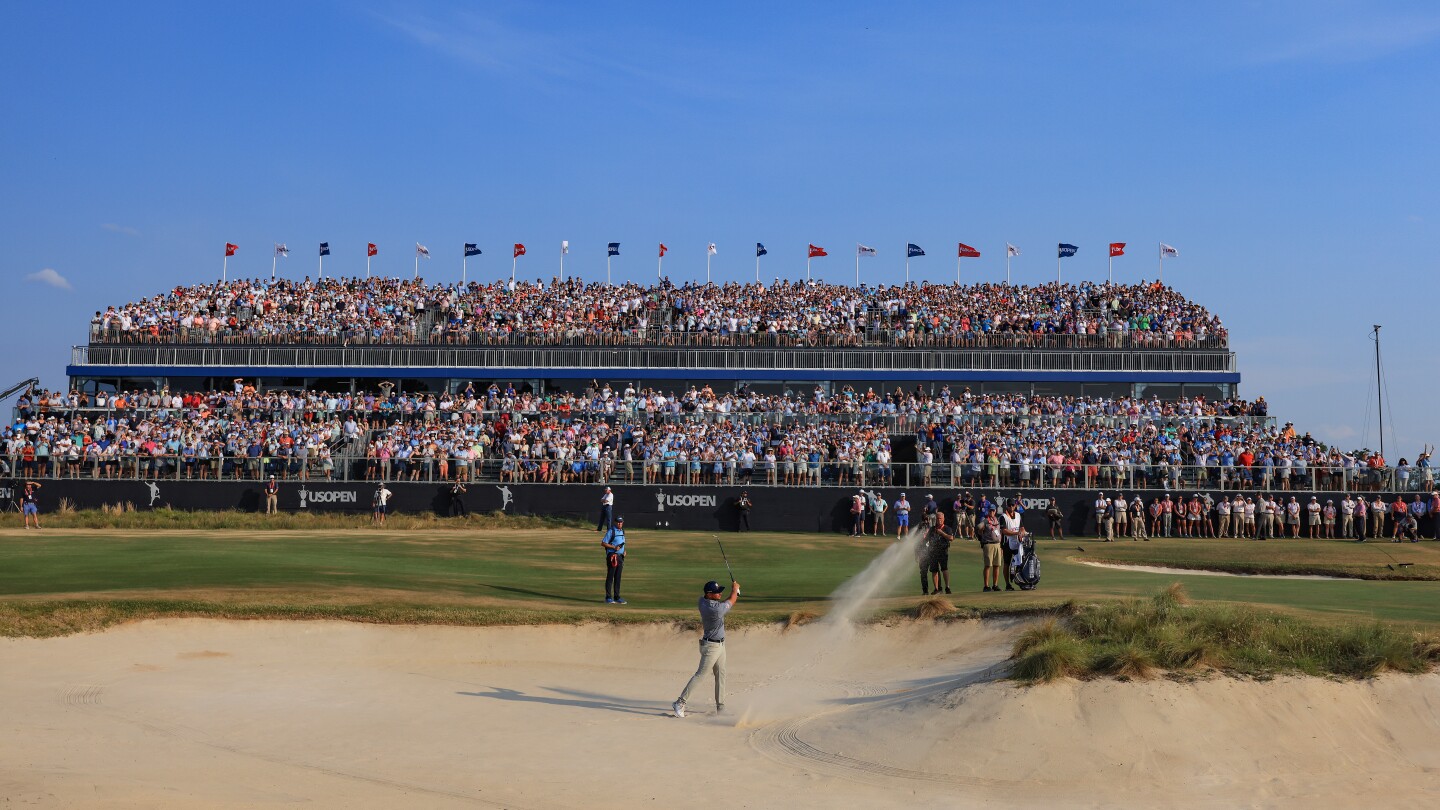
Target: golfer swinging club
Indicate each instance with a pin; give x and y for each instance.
(712, 644)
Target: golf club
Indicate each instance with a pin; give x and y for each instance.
(724, 556)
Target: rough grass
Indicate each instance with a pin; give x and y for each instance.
(1140, 638)
(125, 516)
(934, 608)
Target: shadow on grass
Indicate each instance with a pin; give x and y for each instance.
(541, 594)
(581, 700)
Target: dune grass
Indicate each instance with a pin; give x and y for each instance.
(1139, 638)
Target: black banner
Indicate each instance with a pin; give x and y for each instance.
(696, 508)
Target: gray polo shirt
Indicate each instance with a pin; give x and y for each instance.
(712, 616)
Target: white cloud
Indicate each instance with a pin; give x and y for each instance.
(125, 229)
(49, 276)
(1348, 35)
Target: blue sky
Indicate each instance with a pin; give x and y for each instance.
(1286, 148)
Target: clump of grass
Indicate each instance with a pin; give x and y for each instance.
(800, 618)
(934, 608)
(66, 506)
(1138, 638)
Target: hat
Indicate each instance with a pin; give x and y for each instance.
(931, 497)
(713, 587)
(272, 475)
(619, 520)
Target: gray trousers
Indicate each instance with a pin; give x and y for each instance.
(712, 657)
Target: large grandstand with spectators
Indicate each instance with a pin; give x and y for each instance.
(675, 395)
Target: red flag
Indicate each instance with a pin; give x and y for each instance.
(370, 249)
(967, 252)
(1117, 248)
(817, 251)
(230, 249)
(519, 250)
(663, 249)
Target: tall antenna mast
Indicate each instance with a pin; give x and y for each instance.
(1379, 402)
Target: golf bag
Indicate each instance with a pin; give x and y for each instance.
(1027, 566)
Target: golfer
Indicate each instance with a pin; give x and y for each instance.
(614, 543)
(272, 491)
(712, 644)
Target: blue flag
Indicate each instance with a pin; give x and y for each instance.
(1066, 251)
(324, 248)
(760, 250)
(471, 249)
(912, 250)
(614, 249)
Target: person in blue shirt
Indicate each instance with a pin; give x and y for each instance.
(614, 543)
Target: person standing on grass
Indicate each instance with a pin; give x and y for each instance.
(1121, 520)
(457, 500)
(902, 516)
(614, 544)
(29, 506)
(1223, 508)
(607, 507)
(1057, 519)
(1398, 511)
(272, 494)
(1292, 517)
(382, 503)
(1361, 511)
(880, 506)
(1137, 520)
(1435, 514)
(990, 556)
(1330, 513)
(939, 542)
(713, 608)
(1010, 533)
(1377, 517)
(1313, 511)
(743, 505)
(1347, 516)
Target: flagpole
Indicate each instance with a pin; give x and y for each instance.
(464, 268)
(1160, 250)
(1057, 267)
(562, 262)
(807, 267)
(1007, 265)
(757, 267)
(321, 271)
(273, 260)
(857, 264)
(225, 269)
(607, 267)
(907, 265)
(1112, 268)
(513, 261)
(659, 266)
(367, 262)
(957, 268)
(707, 265)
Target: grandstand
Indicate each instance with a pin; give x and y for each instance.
(675, 395)
(354, 334)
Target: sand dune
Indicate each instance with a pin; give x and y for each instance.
(191, 713)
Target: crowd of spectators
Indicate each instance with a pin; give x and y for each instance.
(389, 311)
(699, 436)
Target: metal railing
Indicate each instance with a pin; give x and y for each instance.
(658, 358)
(674, 471)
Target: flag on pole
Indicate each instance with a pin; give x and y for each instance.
(421, 250)
(1168, 252)
(324, 248)
(862, 250)
(816, 250)
(1011, 250)
(912, 250)
(760, 250)
(663, 249)
(1117, 249)
(967, 252)
(471, 249)
(230, 248)
(1066, 251)
(564, 247)
(281, 250)
(519, 250)
(614, 249)
(710, 250)
(370, 249)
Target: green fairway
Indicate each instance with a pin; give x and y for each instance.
(557, 574)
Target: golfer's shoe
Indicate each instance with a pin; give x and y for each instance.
(609, 601)
(678, 708)
(621, 602)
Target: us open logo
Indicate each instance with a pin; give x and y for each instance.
(318, 496)
(663, 500)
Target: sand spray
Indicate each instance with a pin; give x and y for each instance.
(810, 658)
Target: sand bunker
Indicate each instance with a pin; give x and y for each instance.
(1205, 572)
(194, 713)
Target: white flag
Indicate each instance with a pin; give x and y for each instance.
(1011, 250)
(861, 250)
(281, 250)
(711, 249)
(565, 247)
(421, 250)
(1168, 252)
